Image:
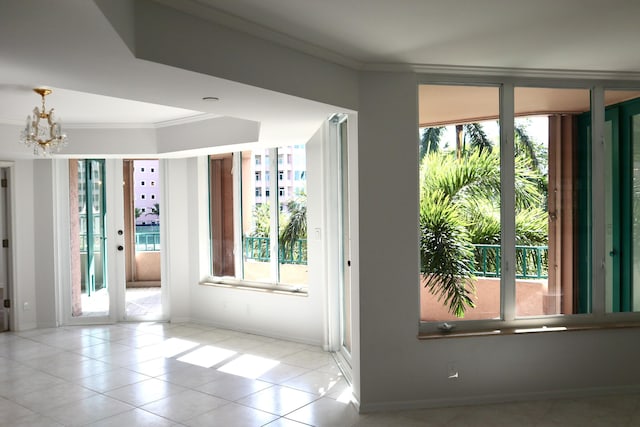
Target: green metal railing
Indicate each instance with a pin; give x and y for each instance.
(532, 262)
(148, 241)
(258, 249)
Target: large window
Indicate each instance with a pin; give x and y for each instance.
(555, 236)
(259, 238)
(500, 194)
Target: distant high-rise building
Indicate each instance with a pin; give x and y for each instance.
(146, 191)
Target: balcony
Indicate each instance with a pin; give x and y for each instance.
(532, 292)
(532, 261)
(258, 249)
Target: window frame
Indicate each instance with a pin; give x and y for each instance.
(508, 323)
(273, 198)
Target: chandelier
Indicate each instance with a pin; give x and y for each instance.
(44, 136)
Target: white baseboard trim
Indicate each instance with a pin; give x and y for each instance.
(257, 331)
(26, 326)
(45, 325)
(497, 398)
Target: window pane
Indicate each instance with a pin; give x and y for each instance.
(549, 189)
(256, 219)
(292, 201)
(89, 292)
(459, 203)
(635, 207)
(249, 214)
(222, 211)
(622, 201)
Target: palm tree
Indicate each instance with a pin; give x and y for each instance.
(155, 210)
(526, 146)
(459, 206)
(473, 133)
(295, 227)
(477, 137)
(430, 140)
(261, 220)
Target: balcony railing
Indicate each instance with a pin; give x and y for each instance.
(258, 249)
(147, 241)
(532, 262)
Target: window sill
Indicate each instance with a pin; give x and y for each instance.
(246, 285)
(528, 330)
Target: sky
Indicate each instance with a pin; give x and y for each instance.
(537, 128)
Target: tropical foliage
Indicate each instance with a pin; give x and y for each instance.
(155, 210)
(295, 227)
(292, 221)
(460, 207)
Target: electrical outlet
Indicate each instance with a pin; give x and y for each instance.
(452, 371)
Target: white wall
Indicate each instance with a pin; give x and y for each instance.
(203, 46)
(23, 218)
(175, 226)
(206, 134)
(43, 228)
(294, 317)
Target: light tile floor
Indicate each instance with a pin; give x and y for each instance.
(143, 302)
(154, 374)
(138, 302)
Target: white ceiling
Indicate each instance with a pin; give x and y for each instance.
(71, 106)
(68, 45)
(590, 35)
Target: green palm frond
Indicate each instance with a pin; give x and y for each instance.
(477, 137)
(296, 224)
(459, 207)
(430, 140)
(525, 146)
(446, 254)
(532, 227)
(261, 220)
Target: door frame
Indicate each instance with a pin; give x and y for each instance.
(62, 254)
(128, 240)
(11, 293)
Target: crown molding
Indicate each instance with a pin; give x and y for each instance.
(186, 120)
(539, 73)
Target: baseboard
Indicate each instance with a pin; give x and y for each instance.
(26, 326)
(45, 325)
(256, 331)
(497, 398)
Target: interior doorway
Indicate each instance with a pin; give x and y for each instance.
(5, 264)
(143, 292)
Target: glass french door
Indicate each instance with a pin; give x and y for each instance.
(621, 205)
(89, 260)
(627, 297)
(345, 285)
